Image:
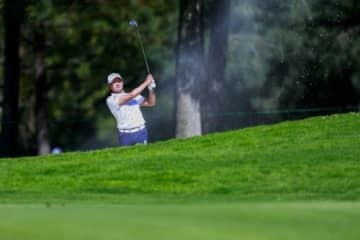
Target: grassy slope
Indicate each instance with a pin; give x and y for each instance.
(313, 159)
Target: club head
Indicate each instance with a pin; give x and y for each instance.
(133, 23)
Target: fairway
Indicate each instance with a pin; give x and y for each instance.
(248, 221)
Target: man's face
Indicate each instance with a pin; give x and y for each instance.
(117, 85)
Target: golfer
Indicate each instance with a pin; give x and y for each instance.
(126, 108)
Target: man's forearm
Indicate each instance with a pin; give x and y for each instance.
(139, 89)
(152, 98)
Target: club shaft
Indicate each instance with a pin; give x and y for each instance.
(143, 50)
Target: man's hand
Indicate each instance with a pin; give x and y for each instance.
(149, 79)
(152, 84)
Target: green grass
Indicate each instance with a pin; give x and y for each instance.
(293, 180)
(268, 221)
(313, 159)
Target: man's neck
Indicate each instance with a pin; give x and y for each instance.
(122, 91)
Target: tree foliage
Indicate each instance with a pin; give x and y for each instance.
(85, 41)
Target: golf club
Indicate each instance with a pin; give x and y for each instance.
(133, 23)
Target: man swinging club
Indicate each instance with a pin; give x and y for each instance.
(126, 108)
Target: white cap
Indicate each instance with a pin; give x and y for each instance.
(112, 76)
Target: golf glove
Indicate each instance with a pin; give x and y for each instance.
(152, 86)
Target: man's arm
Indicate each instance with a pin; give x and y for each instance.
(135, 92)
(150, 101)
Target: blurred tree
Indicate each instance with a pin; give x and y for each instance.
(40, 25)
(190, 68)
(292, 59)
(13, 11)
(41, 94)
(318, 67)
(214, 95)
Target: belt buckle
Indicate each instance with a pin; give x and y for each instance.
(134, 130)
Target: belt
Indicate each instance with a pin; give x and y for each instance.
(132, 130)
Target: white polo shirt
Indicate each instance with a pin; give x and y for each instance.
(127, 115)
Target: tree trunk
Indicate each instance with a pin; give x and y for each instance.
(42, 88)
(213, 98)
(189, 68)
(12, 14)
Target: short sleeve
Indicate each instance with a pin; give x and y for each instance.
(111, 100)
(140, 99)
